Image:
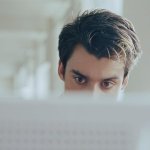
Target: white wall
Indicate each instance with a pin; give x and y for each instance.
(139, 13)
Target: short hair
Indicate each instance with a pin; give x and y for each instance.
(103, 34)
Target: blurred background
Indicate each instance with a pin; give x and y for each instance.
(29, 31)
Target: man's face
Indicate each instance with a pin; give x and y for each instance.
(84, 72)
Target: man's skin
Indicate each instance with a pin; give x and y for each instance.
(85, 72)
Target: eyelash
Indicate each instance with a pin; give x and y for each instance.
(108, 82)
(76, 78)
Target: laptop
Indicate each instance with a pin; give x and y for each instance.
(75, 123)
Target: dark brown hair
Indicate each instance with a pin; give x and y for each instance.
(103, 34)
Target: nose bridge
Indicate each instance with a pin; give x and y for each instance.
(95, 88)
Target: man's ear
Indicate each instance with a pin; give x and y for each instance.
(125, 82)
(61, 70)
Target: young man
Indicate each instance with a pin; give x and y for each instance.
(97, 52)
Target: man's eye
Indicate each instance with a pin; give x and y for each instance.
(80, 80)
(107, 84)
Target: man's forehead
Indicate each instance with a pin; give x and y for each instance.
(102, 67)
(89, 65)
(81, 55)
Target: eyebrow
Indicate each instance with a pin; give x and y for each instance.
(84, 76)
(112, 78)
(78, 73)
